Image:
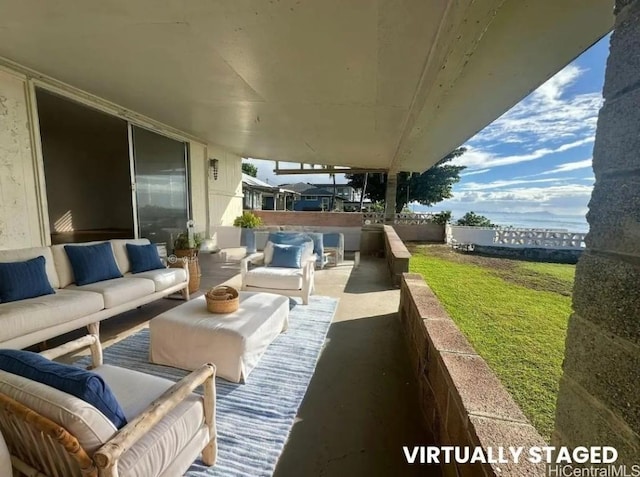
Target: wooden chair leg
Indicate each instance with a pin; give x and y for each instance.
(209, 452)
(94, 328)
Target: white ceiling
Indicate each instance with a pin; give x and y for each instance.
(383, 84)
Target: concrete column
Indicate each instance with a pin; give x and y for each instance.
(599, 399)
(390, 197)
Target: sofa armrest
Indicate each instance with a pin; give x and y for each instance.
(254, 259)
(106, 457)
(88, 341)
(309, 266)
(184, 264)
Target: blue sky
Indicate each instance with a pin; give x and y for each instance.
(534, 158)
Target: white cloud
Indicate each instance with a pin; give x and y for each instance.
(569, 166)
(476, 158)
(472, 186)
(569, 199)
(548, 115)
(553, 88)
(473, 173)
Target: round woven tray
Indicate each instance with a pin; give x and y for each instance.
(222, 299)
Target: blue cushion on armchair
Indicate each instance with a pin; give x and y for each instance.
(83, 384)
(318, 244)
(22, 280)
(286, 256)
(333, 239)
(92, 263)
(298, 238)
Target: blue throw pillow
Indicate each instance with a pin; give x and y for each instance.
(92, 263)
(289, 238)
(21, 280)
(286, 256)
(318, 242)
(83, 384)
(144, 257)
(297, 238)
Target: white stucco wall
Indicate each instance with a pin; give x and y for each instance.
(225, 193)
(19, 208)
(198, 183)
(475, 235)
(23, 210)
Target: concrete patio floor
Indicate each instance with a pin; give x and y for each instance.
(362, 403)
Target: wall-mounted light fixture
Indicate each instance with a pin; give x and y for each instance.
(213, 168)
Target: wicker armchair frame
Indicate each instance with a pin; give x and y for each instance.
(41, 448)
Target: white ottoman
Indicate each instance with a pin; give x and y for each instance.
(188, 336)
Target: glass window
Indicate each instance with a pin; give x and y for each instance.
(161, 185)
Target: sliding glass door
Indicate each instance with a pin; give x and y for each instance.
(161, 185)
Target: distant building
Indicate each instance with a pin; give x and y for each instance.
(344, 191)
(319, 197)
(259, 195)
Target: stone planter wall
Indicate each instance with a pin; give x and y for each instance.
(396, 254)
(463, 402)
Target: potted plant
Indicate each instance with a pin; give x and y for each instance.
(185, 246)
(247, 222)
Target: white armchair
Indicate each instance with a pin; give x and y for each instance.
(279, 280)
(50, 432)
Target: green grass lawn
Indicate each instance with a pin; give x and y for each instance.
(515, 315)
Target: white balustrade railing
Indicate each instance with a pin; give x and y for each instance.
(372, 218)
(516, 238)
(539, 238)
(413, 219)
(402, 218)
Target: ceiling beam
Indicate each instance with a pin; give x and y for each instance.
(329, 170)
(461, 29)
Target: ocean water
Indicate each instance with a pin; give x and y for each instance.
(569, 223)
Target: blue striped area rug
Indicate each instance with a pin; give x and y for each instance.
(253, 419)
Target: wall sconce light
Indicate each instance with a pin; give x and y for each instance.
(213, 168)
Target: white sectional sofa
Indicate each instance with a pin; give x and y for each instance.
(30, 321)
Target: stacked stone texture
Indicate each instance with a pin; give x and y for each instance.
(599, 399)
(462, 402)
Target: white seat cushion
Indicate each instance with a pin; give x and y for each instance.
(85, 422)
(33, 314)
(275, 277)
(164, 442)
(163, 278)
(119, 290)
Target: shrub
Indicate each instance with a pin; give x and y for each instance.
(471, 219)
(248, 220)
(442, 218)
(182, 241)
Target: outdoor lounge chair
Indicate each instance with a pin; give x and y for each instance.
(52, 433)
(280, 280)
